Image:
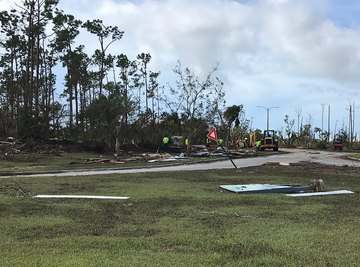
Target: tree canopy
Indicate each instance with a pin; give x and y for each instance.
(105, 97)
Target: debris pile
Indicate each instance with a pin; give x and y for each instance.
(10, 146)
(318, 185)
(203, 151)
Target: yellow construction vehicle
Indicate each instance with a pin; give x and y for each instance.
(269, 141)
(252, 141)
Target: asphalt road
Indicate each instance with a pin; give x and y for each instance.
(294, 156)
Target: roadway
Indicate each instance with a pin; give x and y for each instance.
(293, 156)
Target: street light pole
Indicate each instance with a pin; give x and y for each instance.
(267, 115)
(322, 120)
(251, 123)
(328, 133)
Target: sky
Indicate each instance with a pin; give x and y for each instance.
(285, 55)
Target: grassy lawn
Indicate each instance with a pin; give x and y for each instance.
(356, 155)
(181, 219)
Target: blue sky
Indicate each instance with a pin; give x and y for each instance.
(284, 53)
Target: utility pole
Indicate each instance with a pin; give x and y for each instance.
(350, 123)
(328, 133)
(298, 113)
(267, 115)
(322, 120)
(353, 123)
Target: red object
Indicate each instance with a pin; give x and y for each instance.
(212, 135)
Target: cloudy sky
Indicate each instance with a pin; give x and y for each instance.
(290, 54)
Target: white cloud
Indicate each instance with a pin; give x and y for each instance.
(313, 47)
(5, 4)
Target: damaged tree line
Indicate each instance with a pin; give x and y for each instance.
(105, 98)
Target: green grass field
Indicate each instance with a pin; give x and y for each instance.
(181, 219)
(356, 155)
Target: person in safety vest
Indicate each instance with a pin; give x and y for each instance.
(187, 141)
(258, 145)
(187, 146)
(166, 142)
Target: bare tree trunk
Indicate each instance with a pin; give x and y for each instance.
(117, 140)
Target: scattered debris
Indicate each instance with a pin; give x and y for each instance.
(17, 190)
(220, 151)
(199, 151)
(78, 196)
(176, 158)
(318, 185)
(337, 192)
(265, 188)
(12, 149)
(92, 161)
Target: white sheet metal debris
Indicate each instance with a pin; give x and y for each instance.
(78, 196)
(338, 192)
(265, 188)
(176, 158)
